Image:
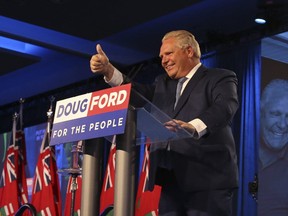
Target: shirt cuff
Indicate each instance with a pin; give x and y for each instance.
(200, 127)
(116, 79)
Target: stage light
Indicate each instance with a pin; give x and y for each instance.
(260, 20)
(262, 17)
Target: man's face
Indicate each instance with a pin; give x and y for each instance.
(274, 122)
(175, 60)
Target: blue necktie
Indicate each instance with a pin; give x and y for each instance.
(178, 90)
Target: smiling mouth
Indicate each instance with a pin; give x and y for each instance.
(279, 134)
(169, 67)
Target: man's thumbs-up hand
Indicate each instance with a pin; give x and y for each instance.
(102, 56)
(99, 63)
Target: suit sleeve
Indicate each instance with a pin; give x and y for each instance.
(223, 100)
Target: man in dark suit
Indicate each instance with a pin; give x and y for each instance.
(197, 175)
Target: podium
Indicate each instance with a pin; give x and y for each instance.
(143, 120)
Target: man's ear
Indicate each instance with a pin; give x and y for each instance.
(190, 51)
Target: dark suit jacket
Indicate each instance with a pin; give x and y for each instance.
(209, 162)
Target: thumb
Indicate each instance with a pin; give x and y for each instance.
(104, 57)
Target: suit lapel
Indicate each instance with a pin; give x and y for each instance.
(189, 89)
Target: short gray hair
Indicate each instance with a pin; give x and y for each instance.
(276, 86)
(184, 39)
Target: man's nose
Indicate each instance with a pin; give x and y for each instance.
(283, 121)
(164, 60)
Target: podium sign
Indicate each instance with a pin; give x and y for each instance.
(92, 115)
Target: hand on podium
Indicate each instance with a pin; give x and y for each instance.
(99, 63)
(176, 125)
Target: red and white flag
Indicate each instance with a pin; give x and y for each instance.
(9, 202)
(107, 193)
(77, 200)
(20, 146)
(46, 196)
(13, 186)
(146, 201)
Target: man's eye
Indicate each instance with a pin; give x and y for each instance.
(275, 113)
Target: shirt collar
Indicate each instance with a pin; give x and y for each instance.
(190, 75)
(193, 71)
(267, 157)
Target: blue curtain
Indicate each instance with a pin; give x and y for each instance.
(245, 60)
(250, 124)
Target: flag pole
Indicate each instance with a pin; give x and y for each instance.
(21, 102)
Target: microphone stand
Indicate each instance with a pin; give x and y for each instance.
(74, 172)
